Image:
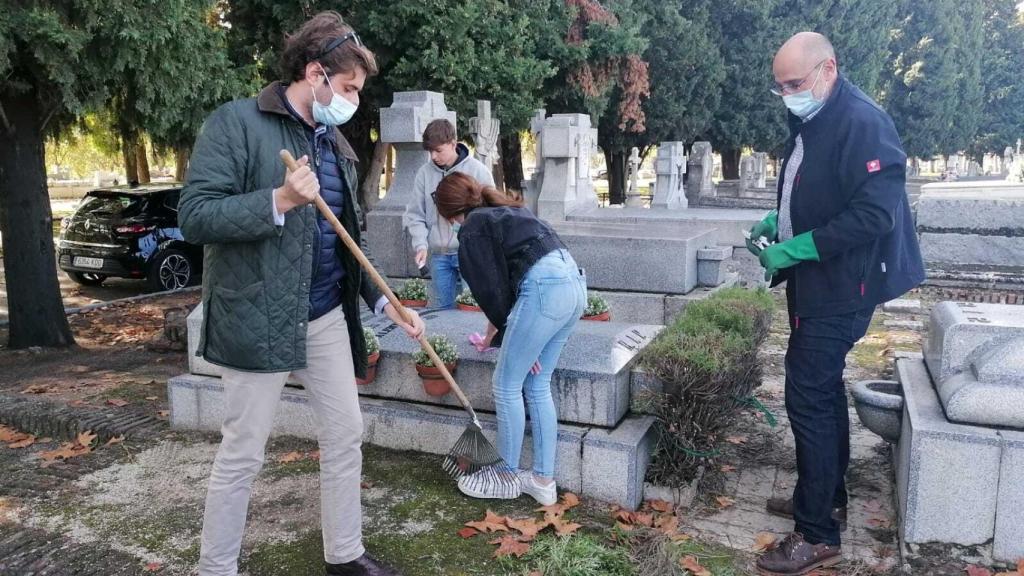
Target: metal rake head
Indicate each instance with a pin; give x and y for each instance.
(474, 457)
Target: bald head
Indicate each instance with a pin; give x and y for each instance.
(799, 57)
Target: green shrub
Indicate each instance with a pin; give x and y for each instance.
(412, 289)
(466, 298)
(444, 347)
(596, 304)
(372, 343)
(575, 555)
(707, 363)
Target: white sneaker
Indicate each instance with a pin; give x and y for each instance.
(486, 484)
(545, 495)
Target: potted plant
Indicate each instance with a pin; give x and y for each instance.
(465, 301)
(433, 382)
(372, 357)
(413, 293)
(597, 308)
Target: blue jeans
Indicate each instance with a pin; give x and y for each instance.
(551, 300)
(444, 270)
(820, 418)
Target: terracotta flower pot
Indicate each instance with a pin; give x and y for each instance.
(605, 316)
(433, 382)
(414, 303)
(371, 370)
(468, 307)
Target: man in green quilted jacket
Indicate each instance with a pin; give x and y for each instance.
(280, 290)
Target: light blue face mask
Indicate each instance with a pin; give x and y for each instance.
(456, 226)
(803, 104)
(338, 112)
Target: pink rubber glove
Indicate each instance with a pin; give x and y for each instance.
(477, 340)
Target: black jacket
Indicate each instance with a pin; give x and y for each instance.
(851, 191)
(497, 247)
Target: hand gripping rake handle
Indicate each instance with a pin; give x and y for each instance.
(292, 165)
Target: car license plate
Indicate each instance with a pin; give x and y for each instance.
(84, 262)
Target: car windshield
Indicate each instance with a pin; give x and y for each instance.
(107, 204)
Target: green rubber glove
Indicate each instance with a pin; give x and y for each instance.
(789, 253)
(767, 227)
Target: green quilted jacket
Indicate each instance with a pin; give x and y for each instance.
(256, 275)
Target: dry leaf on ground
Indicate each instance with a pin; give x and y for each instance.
(724, 501)
(510, 546)
(66, 450)
(693, 565)
(528, 527)
(290, 457)
(726, 468)
(36, 389)
(86, 438)
(24, 443)
(973, 570)
(467, 532)
(491, 523)
(9, 435)
(563, 528)
(667, 524)
(118, 402)
(163, 413)
(659, 505)
(154, 567)
(736, 439)
(152, 398)
(115, 440)
(764, 541)
(570, 500)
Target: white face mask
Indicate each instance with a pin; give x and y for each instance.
(338, 112)
(803, 104)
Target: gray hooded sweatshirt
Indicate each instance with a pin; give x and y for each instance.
(425, 226)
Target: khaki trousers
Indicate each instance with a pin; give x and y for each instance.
(250, 401)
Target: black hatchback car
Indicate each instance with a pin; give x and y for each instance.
(129, 232)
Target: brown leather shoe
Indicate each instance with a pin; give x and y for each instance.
(365, 565)
(794, 556)
(784, 507)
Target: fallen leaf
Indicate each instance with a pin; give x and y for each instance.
(66, 450)
(154, 567)
(667, 524)
(659, 505)
(152, 398)
(693, 565)
(879, 522)
(570, 500)
(290, 457)
(736, 439)
(563, 528)
(491, 523)
(724, 501)
(365, 485)
(117, 402)
(163, 413)
(764, 541)
(528, 527)
(115, 440)
(315, 455)
(24, 443)
(974, 570)
(467, 532)
(726, 468)
(510, 546)
(86, 438)
(78, 403)
(1020, 567)
(36, 389)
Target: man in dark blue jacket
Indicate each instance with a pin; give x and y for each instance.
(843, 240)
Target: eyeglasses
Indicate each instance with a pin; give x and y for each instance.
(793, 85)
(338, 42)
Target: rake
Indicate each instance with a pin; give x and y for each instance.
(473, 456)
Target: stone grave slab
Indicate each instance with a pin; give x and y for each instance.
(958, 329)
(1008, 545)
(991, 392)
(943, 470)
(614, 461)
(590, 384)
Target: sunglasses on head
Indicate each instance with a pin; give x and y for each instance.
(338, 42)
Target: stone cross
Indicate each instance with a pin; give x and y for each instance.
(700, 167)
(485, 130)
(567, 142)
(633, 197)
(670, 167)
(760, 169)
(1007, 160)
(531, 187)
(402, 125)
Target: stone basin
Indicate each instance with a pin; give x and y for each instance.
(879, 405)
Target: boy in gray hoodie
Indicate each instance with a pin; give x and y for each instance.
(432, 235)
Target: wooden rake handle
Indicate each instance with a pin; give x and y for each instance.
(354, 248)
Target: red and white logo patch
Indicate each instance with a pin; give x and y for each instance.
(874, 165)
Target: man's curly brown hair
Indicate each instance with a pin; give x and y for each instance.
(307, 44)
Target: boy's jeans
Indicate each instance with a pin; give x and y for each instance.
(444, 269)
(551, 300)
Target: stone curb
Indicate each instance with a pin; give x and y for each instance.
(58, 420)
(98, 305)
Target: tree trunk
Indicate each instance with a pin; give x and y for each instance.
(616, 165)
(181, 156)
(371, 184)
(498, 173)
(142, 161)
(33, 292)
(512, 161)
(731, 163)
(130, 156)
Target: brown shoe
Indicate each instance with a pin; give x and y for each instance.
(794, 556)
(784, 507)
(365, 565)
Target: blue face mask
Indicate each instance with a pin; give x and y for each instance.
(456, 226)
(803, 104)
(338, 112)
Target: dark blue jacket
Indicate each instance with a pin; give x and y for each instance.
(851, 191)
(328, 271)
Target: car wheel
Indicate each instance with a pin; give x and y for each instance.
(87, 278)
(171, 270)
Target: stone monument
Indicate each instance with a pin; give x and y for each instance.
(485, 130)
(531, 187)
(567, 142)
(1007, 160)
(633, 197)
(699, 168)
(760, 169)
(670, 168)
(748, 170)
(402, 125)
